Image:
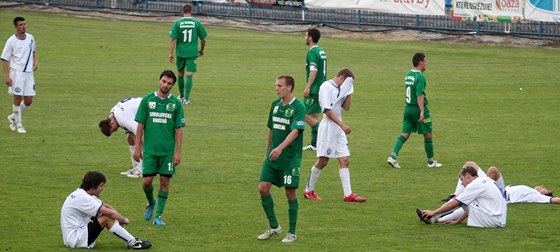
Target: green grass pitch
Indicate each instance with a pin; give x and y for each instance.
(479, 113)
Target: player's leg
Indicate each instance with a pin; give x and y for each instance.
(97, 224)
(191, 69)
(181, 65)
(408, 126)
(316, 169)
(291, 183)
(268, 177)
(495, 175)
(149, 171)
(344, 174)
(166, 169)
(312, 110)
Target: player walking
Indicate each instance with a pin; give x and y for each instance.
(20, 52)
(283, 156)
(185, 34)
(416, 114)
(316, 69)
(334, 95)
(158, 142)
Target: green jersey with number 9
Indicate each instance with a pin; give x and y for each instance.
(415, 84)
(187, 31)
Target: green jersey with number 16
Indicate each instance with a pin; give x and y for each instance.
(187, 31)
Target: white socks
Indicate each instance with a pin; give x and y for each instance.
(313, 177)
(17, 114)
(344, 174)
(120, 232)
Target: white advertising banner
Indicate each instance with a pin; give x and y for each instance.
(489, 10)
(543, 10)
(414, 7)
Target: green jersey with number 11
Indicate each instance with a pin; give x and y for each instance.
(415, 84)
(187, 31)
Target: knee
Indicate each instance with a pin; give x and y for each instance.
(494, 173)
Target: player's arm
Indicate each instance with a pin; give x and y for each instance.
(113, 214)
(448, 206)
(275, 153)
(6, 67)
(35, 62)
(420, 100)
(202, 45)
(172, 50)
(178, 145)
(312, 76)
(555, 200)
(347, 102)
(335, 119)
(139, 142)
(268, 142)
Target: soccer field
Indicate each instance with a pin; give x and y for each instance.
(492, 104)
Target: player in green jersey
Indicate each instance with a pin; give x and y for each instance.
(185, 34)
(416, 114)
(286, 122)
(159, 138)
(316, 69)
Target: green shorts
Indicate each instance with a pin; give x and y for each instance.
(288, 178)
(312, 104)
(410, 120)
(188, 63)
(152, 165)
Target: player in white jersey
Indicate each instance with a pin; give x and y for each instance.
(122, 115)
(526, 194)
(334, 95)
(83, 216)
(19, 60)
(483, 202)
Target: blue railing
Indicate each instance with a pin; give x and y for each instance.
(360, 18)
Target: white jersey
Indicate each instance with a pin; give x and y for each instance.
(124, 113)
(525, 194)
(486, 199)
(331, 139)
(19, 52)
(77, 210)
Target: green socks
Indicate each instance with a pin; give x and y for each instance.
(314, 131)
(188, 87)
(268, 206)
(398, 146)
(162, 199)
(181, 86)
(292, 214)
(429, 147)
(149, 191)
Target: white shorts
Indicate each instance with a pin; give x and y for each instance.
(331, 141)
(479, 218)
(23, 83)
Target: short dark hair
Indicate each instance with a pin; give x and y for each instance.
(18, 19)
(105, 126)
(417, 58)
(470, 170)
(92, 179)
(289, 80)
(187, 8)
(315, 34)
(169, 74)
(346, 72)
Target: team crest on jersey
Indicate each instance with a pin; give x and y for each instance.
(170, 107)
(295, 171)
(289, 112)
(309, 101)
(152, 105)
(275, 110)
